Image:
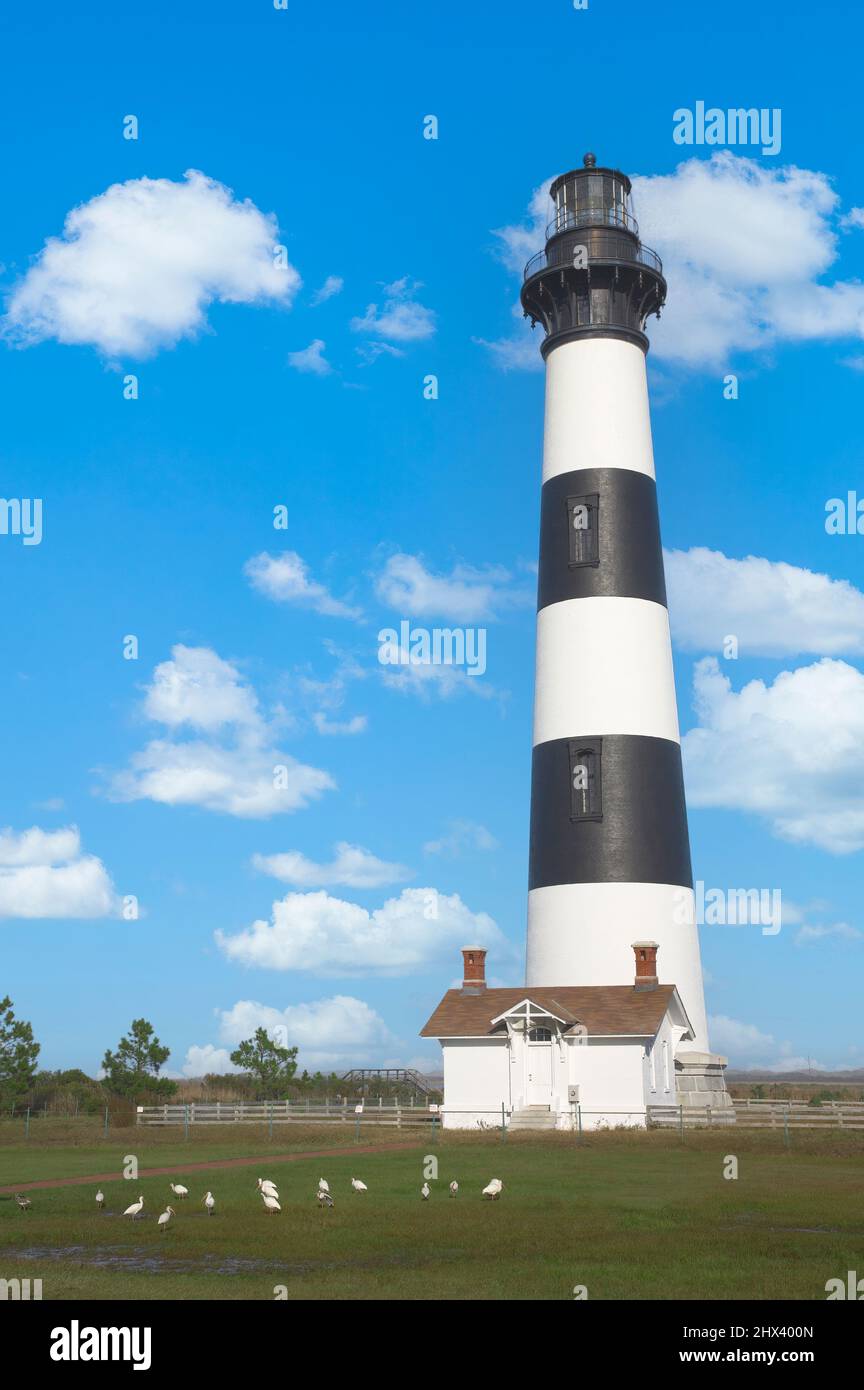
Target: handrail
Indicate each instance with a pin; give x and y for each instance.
(643, 255)
(565, 218)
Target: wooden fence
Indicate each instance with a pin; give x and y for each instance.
(280, 1112)
(762, 1114)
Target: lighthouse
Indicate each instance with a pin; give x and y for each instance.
(609, 1028)
(609, 851)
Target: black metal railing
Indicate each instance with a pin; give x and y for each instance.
(600, 250)
(567, 218)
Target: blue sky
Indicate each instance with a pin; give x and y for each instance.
(263, 384)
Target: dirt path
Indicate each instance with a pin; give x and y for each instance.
(216, 1163)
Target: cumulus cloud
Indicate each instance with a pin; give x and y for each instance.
(749, 1048)
(311, 359)
(285, 579)
(351, 867)
(329, 1033)
(465, 595)
(745, 247)
(838, 931)
(401, 318)
(138, 266)
(333, 285)
(774, 609)
(43, 873)
(791, 752)
(324, 935)
(357, 724)
(463, 836)
(238, 769)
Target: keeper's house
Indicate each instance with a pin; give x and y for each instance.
(609, 1050)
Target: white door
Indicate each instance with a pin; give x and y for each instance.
(539, 1060)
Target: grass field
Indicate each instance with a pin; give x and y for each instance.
(630, 1216)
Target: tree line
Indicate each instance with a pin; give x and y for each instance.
(132, 1071)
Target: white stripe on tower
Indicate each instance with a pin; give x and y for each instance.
(610, 857)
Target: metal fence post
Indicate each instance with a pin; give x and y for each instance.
(270, 1131)
(27, 1124)
(681, 1119)
(185, 1121)
(579, 1121)
(503, 1124)
(786, 1126)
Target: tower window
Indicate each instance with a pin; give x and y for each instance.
(586, 801)
(583, 526)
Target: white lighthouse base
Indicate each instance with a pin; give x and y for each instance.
(700, 1085)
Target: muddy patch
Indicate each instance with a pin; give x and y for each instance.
(132, 1260)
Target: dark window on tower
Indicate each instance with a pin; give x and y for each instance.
(583, 525)
(586, 801)
(540, 1035)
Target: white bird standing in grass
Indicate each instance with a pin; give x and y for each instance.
(493, 1189)
(100, 1199)
(270, 1202)
(162, 1223)
(323, 1185)
(209, 1202)
(23, 1202)
(358, 1185)
(324, 1199)
(454, 1188)
(268, 1188)
(179, 1190)
(135, 1209)
(425, 1191)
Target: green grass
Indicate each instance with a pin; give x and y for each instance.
(629, 1216)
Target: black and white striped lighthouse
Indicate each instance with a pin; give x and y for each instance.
(610, 854)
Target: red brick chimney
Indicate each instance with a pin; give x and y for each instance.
(646, 964)
(473, 969)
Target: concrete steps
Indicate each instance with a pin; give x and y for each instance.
(533, 1117)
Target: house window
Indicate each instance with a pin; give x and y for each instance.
(665, 1065)
(653, 1066)
(540, 1035)
(586, 801)
(583, 522)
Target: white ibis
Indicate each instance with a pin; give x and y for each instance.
(135, 1209)
(425, 1191)
(323, 1185)
(454, 1188)
(23, 1202)
(209, 1202)
(178, 1190)
(493, 1189)
(270, 1202)
(268, 1187)
(100, 1199)
(324, 1199)
(162, 1223)
(359, 1186)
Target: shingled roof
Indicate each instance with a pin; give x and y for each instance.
(603, 1010)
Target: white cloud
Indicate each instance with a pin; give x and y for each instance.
(43, 873)
(430, 680)
(198, 688)
(401, 318)
(238, 769)
(311, 359)
(465, 595)
(462, 836)
(333, 285)
(750, 1049)
(138, 266)
(357, 724)
(330, 1034)
(285, 579)
(328, 936)
(352, 867)
(791, 752)
(744, 246)
(774, 609)
(842, 931)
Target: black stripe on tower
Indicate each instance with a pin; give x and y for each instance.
(624, 559)
(636, 834)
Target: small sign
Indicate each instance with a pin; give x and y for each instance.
(573, 1095)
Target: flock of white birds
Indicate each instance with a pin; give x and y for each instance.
(269, 1195)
